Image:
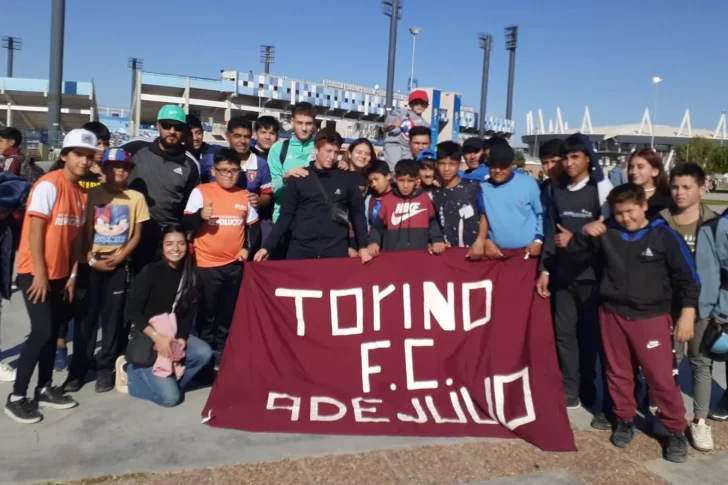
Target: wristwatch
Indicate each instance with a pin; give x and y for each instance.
(92, 261)
(154, 334)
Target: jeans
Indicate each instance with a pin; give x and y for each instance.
(702, 369)
(46, 319)
(167, 391)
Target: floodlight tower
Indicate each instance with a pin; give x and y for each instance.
(136, 65)
(511, 41)
(12, 44)
(267, 56)
(55, 79)
(393, 10)
(486, 41)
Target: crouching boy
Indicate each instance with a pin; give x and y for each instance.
(645, 264)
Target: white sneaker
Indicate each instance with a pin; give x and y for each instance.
(7, 373)
(701, 436)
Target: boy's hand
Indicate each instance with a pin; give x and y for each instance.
(206, 212)
(365, 256)
(353, 253)
(542, 286)
(242, 255)
(437, 248)
(373, 250)
(397, 123)
(297, 172)
(492, 251)
(534, 250)
(261, 255)
(562, 239)
(112, 261)
(476, 251)
(39, 288)
(596, 228)
(685, 329)
(253, 199)
(70, 289)
(342, 165)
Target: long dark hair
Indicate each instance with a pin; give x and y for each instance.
(662, 185)
(189, 296)
(353, 145)
(59, 164)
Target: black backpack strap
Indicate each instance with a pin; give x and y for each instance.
(284, 150)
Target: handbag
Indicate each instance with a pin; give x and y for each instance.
(337, 213)
(140, 349)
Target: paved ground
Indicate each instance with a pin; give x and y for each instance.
(112, 435)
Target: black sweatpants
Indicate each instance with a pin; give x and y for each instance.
(46, 319)
(104, 304)
(220, 287)
(579, 343)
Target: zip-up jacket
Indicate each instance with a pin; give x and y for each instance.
(298, 155)
(642, 270)
(305, 213)
(711, 255)
(405, 222)
(166, 180)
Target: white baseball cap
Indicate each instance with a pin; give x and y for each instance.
(81, 139)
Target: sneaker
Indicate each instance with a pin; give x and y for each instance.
(718, 414)
(7, 373)
(61, 362)
(623, 434)
(122, 380)
(218, 360)
(572, 402)
(676, 450)
(105, 381)
(701, 436)
(54, 398)
(73, 384)
(600, 422)
(23, 411)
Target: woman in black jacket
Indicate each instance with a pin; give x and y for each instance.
(646, 170)
(168, 286)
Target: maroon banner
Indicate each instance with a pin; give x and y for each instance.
(409, 344)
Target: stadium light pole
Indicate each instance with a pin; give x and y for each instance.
(267, 56)
(55, 79)
(511, 40)
(393, 10)
(486, 41)
(414, 31)
(12, 44)
(656, 80)
(135, 64)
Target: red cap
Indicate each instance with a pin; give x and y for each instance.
(419, 95)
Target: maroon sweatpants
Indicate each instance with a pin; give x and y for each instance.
(646, 343)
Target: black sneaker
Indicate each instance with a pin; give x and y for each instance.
(73, 384)
(572, 402)
(54, 398)
(218, 359)
(676, 449)
(623, 434)
(105, 381)
(600, 422)
(23, 411)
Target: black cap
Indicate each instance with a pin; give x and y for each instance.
(473, 144)
(501, 155)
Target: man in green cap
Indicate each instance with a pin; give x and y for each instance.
(166, 175)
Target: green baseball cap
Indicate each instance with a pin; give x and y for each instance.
(172, 112)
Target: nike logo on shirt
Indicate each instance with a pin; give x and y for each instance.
(404, 211)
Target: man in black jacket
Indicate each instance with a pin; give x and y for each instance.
(646, 266)
(319, 207)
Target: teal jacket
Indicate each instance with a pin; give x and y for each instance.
(299, 155)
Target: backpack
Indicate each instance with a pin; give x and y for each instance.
(284, 151)
(30, 170)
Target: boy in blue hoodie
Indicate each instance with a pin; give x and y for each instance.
(512, 202)
(577, 199)
(474, 156)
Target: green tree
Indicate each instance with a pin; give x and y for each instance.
(520, 160)
(697, 150)
(718, 161)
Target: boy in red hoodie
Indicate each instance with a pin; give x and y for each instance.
(10, 155)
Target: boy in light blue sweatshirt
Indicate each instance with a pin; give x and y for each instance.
(512, 203)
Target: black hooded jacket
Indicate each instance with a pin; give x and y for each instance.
(305, 213)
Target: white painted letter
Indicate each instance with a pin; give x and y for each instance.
(455, 405)
(359, 410)
(359, 328)
(467, 398)
(407, 305)
(419, 419)
(316, 416)
(498, 383)
(298, 296)
(412, 384)
(295, 408)
(487, 285)
(436, 305)
(366, 369)
(378, 296)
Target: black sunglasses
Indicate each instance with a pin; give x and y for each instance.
(166, 125)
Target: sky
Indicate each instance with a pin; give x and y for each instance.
(570, 53)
